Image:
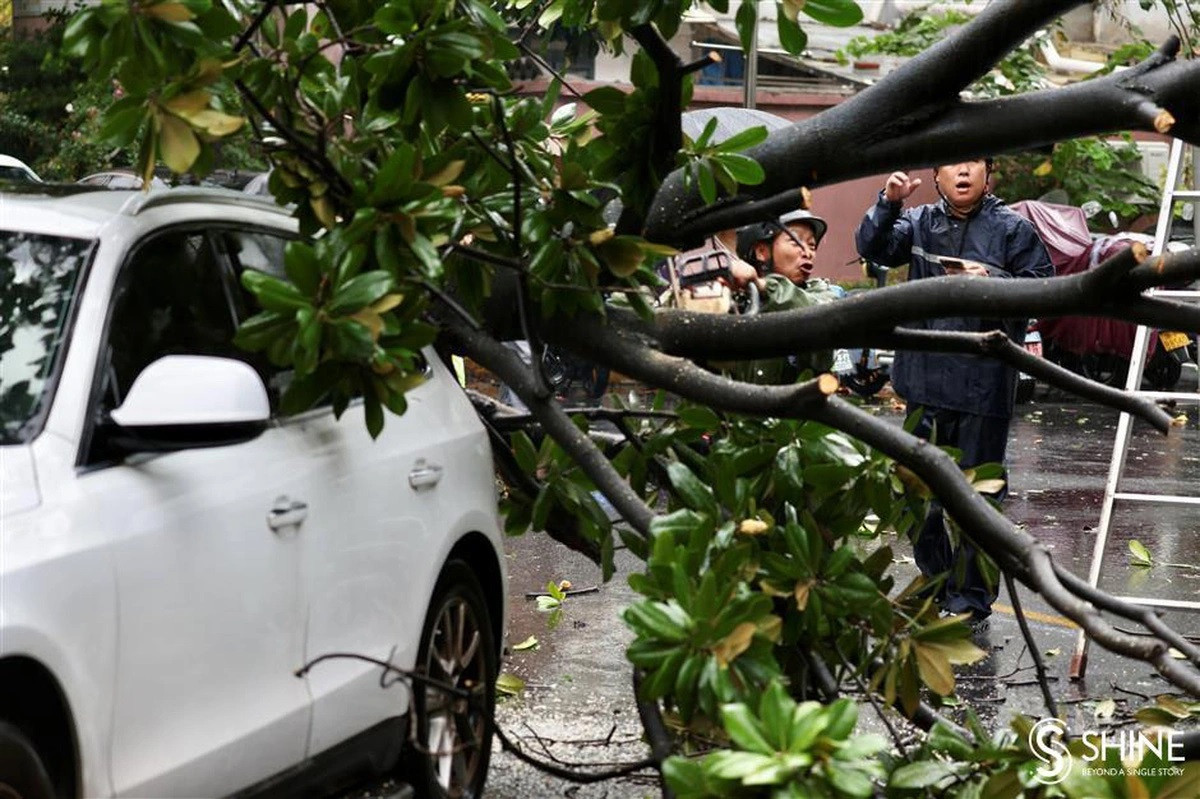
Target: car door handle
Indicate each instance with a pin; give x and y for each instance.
(287, 513)
(424, 475)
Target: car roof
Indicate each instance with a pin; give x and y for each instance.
(79, 212)
(8, 160)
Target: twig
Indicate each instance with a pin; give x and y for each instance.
(1119, 689)
(656, 731)
(1038, 663)
(571, 592)
(854, 675)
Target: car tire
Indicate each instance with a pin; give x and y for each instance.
(22, 773)
(1109, 370)
(452, 737)
(867, 383)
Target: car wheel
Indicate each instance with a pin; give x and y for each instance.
(867, 383)
(452, 736)
(1110, 370)
(22, 774)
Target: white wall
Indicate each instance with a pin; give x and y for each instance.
(1153, 23)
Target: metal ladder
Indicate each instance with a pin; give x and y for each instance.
(1133, 383)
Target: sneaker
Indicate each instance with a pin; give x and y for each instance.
(979, 623)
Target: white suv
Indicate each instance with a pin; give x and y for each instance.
(173, 550)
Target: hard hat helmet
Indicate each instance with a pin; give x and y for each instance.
(752, 234)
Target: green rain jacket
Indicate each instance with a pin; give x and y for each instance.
(782, 294)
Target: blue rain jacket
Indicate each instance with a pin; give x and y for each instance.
(993, 235)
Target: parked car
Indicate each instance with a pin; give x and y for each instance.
(120, 179)
(174, 550)
(16, 171)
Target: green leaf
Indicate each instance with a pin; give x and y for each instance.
(708, 183)
(1141, 555)
(261, 329)
(920, 774)
(678, 524)
(360, 291)
(524, 451)
(744, 729)
(745, 170)
(121, 125)
(843, 716)
(306, 390)
(529, 643)
(606, 100)
(650, 619)
(302, 267)
(272, 293)
(791, 36)
(839, 13)
(746, 20)
(621, 254)
(541, 508)
(849, 781)
(743, 139)
(509, 684)
(700, 417)
(694, 493)
(373, 413)
(736, 765)
(706, 134)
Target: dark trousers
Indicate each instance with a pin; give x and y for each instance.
(982, 439)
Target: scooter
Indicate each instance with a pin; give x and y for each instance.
(866, 371)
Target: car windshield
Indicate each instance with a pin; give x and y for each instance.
(39, 276)
(15, 174)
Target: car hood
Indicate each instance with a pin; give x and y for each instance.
(18, 481)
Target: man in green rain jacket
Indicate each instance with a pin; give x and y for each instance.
(779, 260)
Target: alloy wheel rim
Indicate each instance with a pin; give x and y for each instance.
(454, 725)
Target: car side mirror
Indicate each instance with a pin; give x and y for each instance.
(190, 401)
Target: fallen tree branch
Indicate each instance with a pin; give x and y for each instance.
(494, 356)
(1108, 291)
(998, 345)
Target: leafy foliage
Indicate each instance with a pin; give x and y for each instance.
(913, 34)
(417, 174)
(1087, 170)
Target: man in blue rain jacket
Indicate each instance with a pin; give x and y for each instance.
(967, 400)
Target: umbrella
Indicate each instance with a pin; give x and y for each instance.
(730, 120)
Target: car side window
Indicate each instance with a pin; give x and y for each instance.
(256, 250)
(262, 252)
(172, 298)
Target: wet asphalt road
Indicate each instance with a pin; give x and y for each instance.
(577, 683)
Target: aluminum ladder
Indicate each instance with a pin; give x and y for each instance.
(1137, 364)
